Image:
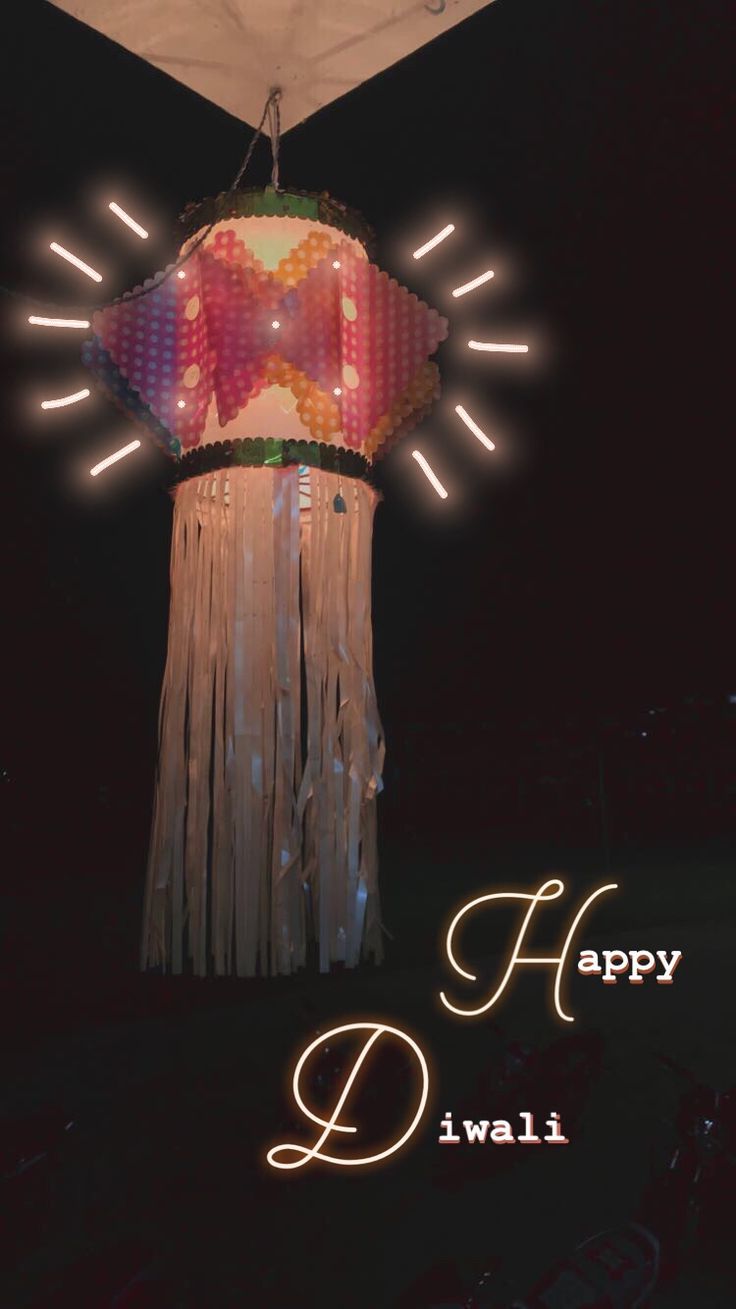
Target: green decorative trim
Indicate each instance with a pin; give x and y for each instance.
(269, 452)
(257, 202)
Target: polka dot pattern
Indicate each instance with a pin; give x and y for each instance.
(318, 411)
(387, 341)
(230, 249)
(350, 328)
(306, 255)
(155, 346)
(311, 334)
(406, 411)
(96, 358)
(240, 303)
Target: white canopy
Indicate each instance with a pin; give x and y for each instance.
(233, 52)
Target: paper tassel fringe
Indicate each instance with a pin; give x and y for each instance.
(263, 844)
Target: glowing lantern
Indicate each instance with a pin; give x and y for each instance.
(274, 372)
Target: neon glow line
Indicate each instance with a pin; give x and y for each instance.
(113, 459)
(303, 1153)
(65, 400)
(474, 428)
(550, 890)
(470, 286)
(424, 249)
(72, 259)
(504, 349)
(429, 474)
(58, 322)
(130, 222)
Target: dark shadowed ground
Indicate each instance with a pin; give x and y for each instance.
(177, 1087)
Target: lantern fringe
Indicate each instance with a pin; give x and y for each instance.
(263, 845)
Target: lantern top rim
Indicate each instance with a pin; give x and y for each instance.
(257, 202)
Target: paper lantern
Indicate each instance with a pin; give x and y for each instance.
(275, 365)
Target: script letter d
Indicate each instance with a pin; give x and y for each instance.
(295, 1156)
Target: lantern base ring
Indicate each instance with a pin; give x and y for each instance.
(259, 452)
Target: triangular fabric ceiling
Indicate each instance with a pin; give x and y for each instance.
(233, 52)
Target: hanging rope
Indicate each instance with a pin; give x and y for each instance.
(270, 107)
(274, 118)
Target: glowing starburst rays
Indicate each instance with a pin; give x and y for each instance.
(476, 282)
(489, 347)
(497, 347)
(113, 458)
(79, 323)
(474, 428)
(76, 261)
(434, 241)
(430, 474)
(83, 324)
(64, 400)
(129, 222)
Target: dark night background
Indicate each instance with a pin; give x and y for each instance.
(554, 646)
